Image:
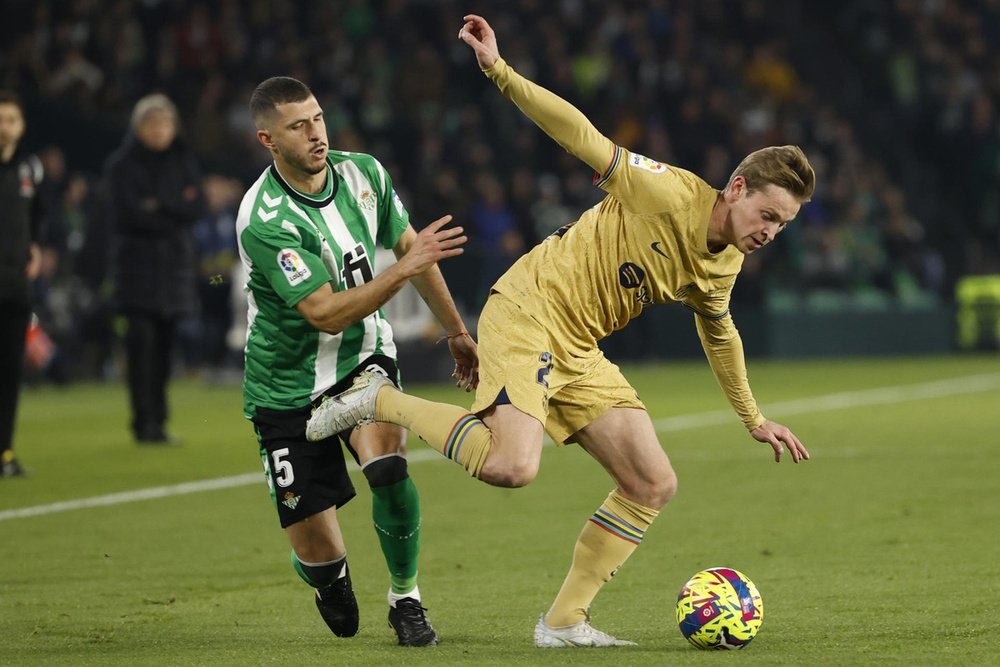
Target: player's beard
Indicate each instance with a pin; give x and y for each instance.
(305, 163)
(310, 165)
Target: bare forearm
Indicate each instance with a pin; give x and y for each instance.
(434, 291)
(332, 312)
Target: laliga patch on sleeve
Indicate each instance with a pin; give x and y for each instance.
(293, 266)
(643, 162)
(398, 202)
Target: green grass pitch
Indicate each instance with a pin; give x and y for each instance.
(883, 549)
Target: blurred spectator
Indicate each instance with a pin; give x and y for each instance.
(76, 78)
(83, 326)
(499, 242)
(20, 263)
(67, 300)
(548, 212)
(156, 198)
(52, 242)
(912, 263)
(768, 71)
(215, 235)
(825, 262)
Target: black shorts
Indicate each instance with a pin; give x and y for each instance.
(305, 477)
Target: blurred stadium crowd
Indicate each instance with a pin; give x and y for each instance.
(895, 103)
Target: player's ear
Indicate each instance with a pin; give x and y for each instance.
(264, 137)
(742, 180)
(736, 187)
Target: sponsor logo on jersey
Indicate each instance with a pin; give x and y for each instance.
(643, 162)
(631, 276)
(366, 200)
(294, 267)
(357, 269)
(398, 203)
(655, 245)
(291, 500)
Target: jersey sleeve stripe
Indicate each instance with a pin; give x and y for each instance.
(601, 179)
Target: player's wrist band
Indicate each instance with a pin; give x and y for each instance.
(454, 335)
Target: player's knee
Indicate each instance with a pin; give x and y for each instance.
(509, 473)
(665, 488)
(385, 470)
(655, 491)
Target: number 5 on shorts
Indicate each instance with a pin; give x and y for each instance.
(281, 470)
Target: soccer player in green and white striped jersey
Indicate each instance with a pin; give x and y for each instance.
(307, 230)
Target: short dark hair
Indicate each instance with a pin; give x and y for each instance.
(274, 91)
(10, 97)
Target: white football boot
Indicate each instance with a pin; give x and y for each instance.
(574, 636)
(352, 407)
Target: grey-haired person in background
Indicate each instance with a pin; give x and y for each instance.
(155, 199)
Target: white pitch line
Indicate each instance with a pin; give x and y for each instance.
(969, 384)
(133, 496)
(839, 401)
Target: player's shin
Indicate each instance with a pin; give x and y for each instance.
(396, 516)
(449, 429)
(608, 538)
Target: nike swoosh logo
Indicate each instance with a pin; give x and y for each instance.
(655, 245)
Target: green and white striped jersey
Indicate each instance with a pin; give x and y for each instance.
(291, 243)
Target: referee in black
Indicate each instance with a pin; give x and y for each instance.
(20, 261)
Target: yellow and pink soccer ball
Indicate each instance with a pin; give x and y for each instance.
(719, 608)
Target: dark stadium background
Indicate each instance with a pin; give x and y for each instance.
(895, 102)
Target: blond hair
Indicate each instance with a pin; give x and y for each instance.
(783, 166)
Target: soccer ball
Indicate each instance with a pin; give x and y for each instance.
(719, 608)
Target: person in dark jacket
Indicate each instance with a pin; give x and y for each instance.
(156, 197)
(20, 261)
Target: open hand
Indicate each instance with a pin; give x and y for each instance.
(432, 244)
(779, 437)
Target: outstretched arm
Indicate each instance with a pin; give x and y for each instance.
(724, 350)
(555, 116)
